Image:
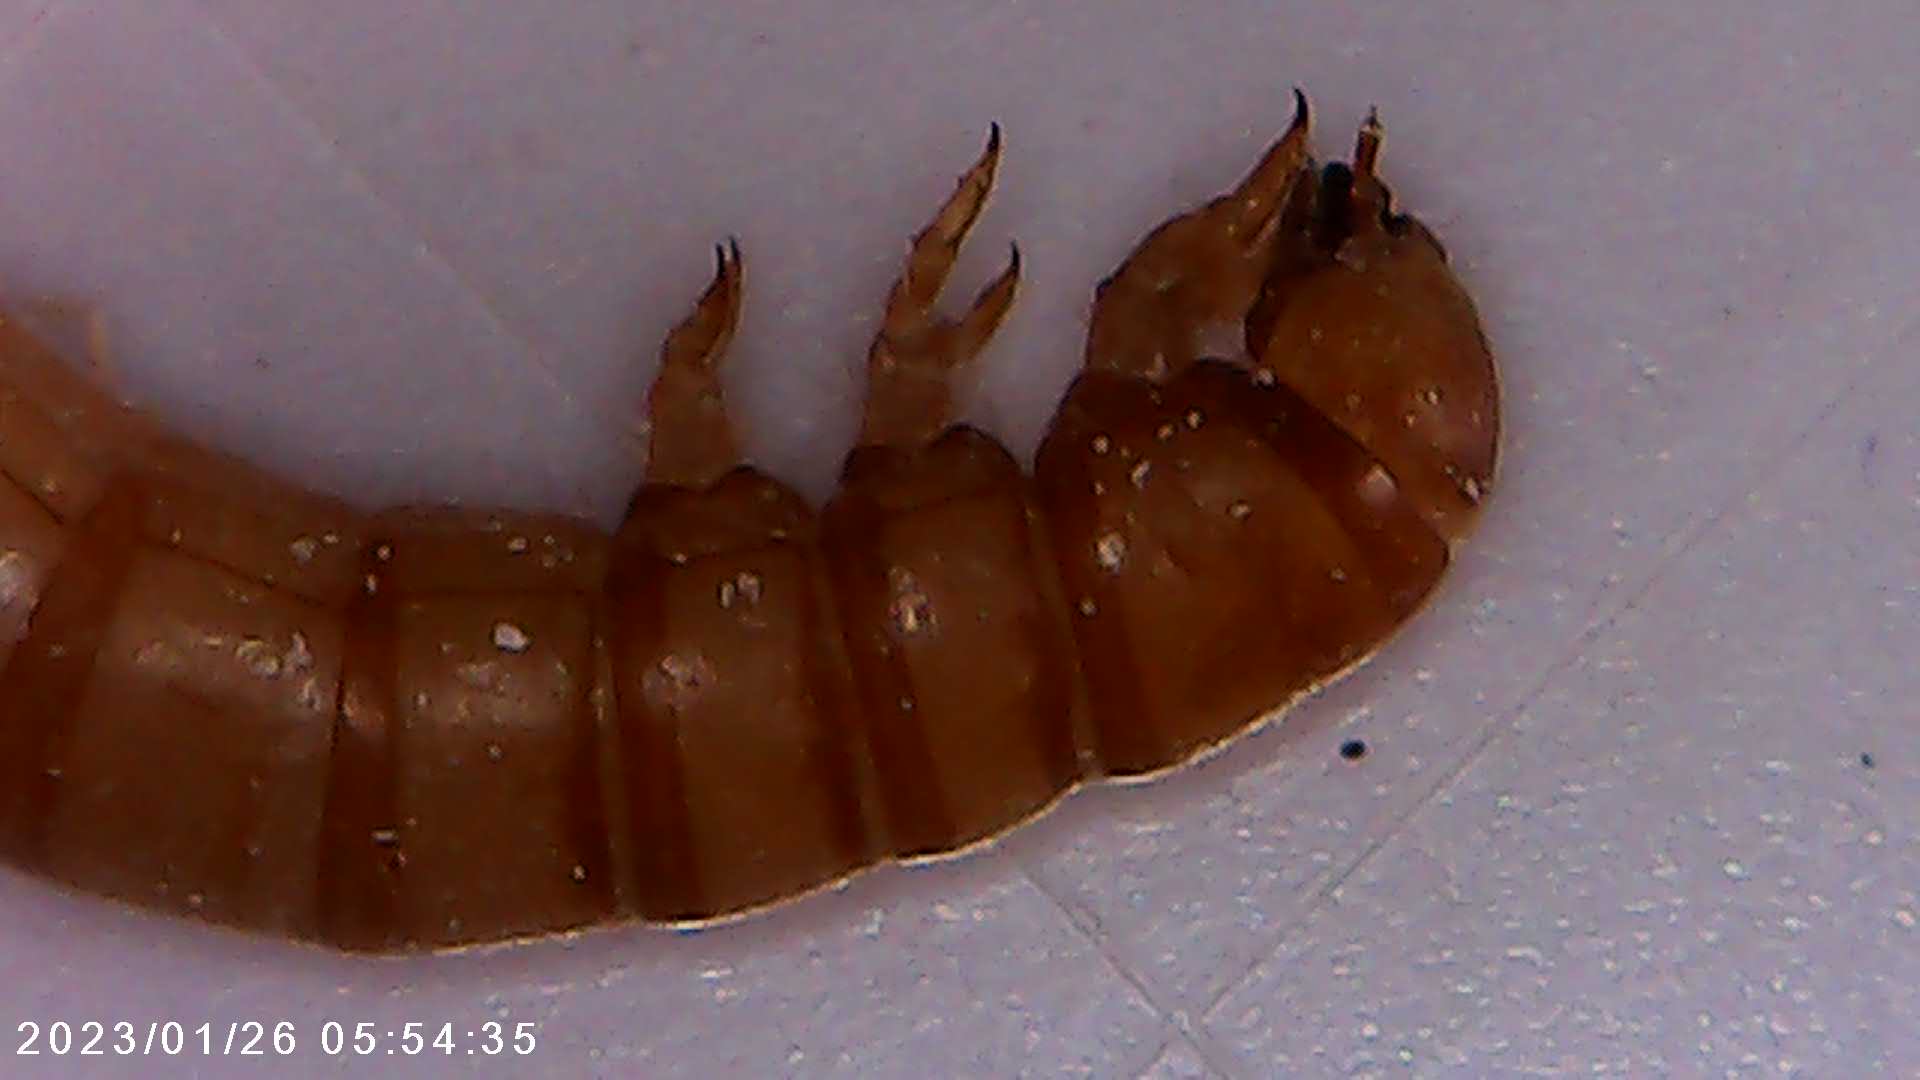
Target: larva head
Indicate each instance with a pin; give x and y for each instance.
(1367, 322)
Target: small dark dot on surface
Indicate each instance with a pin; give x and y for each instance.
(1353, 749)
(1866, 760)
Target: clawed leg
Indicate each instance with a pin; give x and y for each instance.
(916, 352)
(692, 442)
(1191, 282)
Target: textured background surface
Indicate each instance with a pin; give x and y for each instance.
(1617, 815)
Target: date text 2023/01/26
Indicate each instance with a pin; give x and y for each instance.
(263, 1038)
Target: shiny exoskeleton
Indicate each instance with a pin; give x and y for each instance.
(225, 696)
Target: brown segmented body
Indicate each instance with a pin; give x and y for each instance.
(225, 696)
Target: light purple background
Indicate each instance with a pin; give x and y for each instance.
(1615, 816)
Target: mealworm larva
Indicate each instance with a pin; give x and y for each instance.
(228, 697)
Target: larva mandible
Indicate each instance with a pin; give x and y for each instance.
(224, 696)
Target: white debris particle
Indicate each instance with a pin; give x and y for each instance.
(510, 638)
(1101, 444)
(517, 545)
(1088, 607)
(1110, 551)
(479, 676)
(1734, 869)
(676, 681)
(386, 837)
(1265, 378)
(911, 609)
(578, 873)
(1240, 510)
(310, 696)
(1528, 954)
(15, 577)
(304, 550)
(384, 553)
(1377, 486)
(495, 751)
(258, 658)
(1905, 917)
(1140, 473)
(155, 654)
(1164, 432)
(300, 655)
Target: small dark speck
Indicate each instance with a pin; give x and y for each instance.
(262, 363)
(1869, 446)
(1353, 749)
(1866, 760)
(1727, 310)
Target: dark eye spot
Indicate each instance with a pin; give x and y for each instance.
(1866, 759)
(1353, 749)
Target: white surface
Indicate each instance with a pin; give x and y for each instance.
(1615, 815)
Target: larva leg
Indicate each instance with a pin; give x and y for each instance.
(692, 442)
(955, 629)
(737, 782)
(1186, 289)
(916, 352)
